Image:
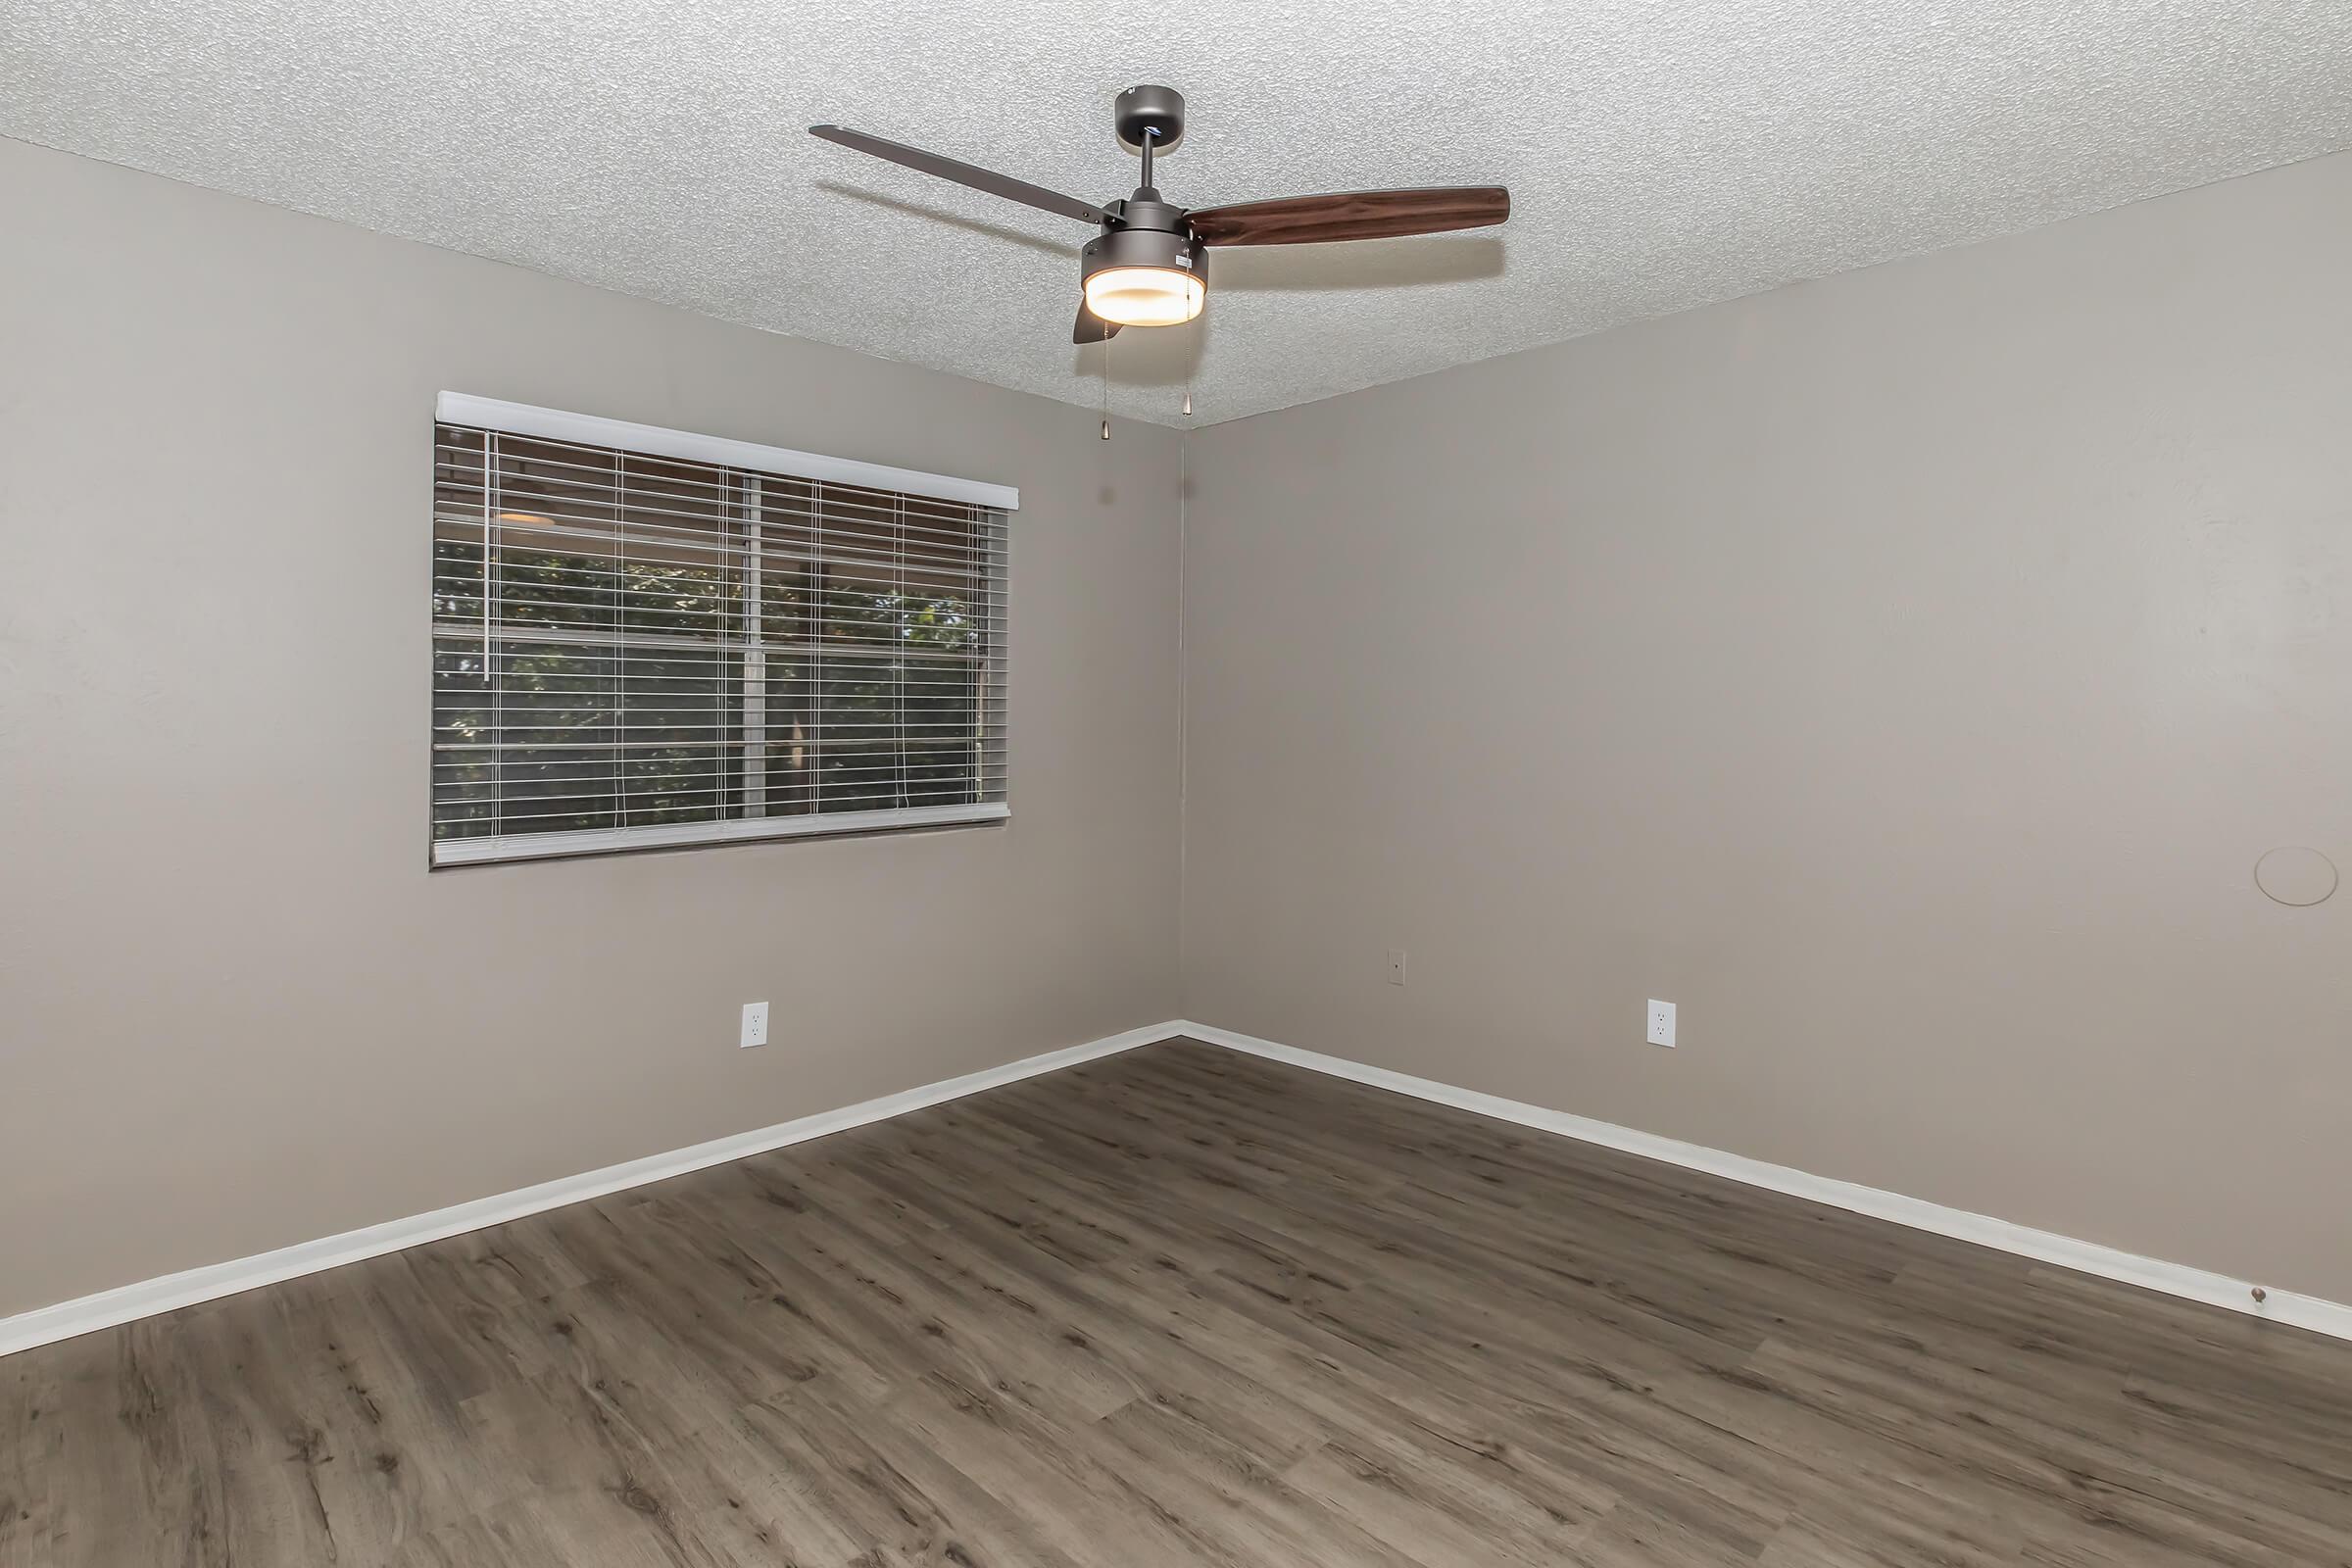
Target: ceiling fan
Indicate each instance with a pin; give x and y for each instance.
(1148, 265)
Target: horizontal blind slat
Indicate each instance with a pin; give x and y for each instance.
(460, 851)
(460, 508)
(609, 514)
(458, 414)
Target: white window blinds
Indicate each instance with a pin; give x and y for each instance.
(643, 637)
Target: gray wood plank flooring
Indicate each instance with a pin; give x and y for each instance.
(1183, 1307)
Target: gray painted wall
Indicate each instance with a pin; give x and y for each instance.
(235, 1010)
(1901, 672)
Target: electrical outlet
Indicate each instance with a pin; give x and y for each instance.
(1396, 966)
(1661, 1023)
(754, 1024)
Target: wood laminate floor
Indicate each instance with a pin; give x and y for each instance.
(1184, 1307)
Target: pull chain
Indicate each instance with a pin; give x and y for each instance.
(1192, 348)
(1107, 389)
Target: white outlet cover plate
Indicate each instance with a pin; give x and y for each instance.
(1661, 1022)
(754, 1024)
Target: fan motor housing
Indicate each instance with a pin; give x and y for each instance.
(1149, 233)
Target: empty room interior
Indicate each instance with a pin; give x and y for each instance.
(1030, 785)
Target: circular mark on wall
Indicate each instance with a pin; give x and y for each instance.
(2296, 875)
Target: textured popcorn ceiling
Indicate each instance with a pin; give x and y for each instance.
(1661, 153)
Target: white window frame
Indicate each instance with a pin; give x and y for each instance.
(557, 424)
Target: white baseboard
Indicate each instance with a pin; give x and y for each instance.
(148, 1297)
(2313, 1313)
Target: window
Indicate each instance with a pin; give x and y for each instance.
(643, 637)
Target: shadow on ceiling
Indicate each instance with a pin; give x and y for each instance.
(1377, 264)
(1169, 356)
(940, 215)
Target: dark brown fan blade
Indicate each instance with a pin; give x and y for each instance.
(1092, 329)
(1352, 215)
(962, 174)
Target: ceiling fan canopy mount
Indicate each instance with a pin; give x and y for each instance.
(1146, 115)
(1146, 267)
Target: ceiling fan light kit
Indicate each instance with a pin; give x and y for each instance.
(1144, 296)
(1147, 267)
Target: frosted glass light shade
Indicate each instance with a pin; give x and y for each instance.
(1144, 296)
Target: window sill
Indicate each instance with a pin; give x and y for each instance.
(683, 835)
